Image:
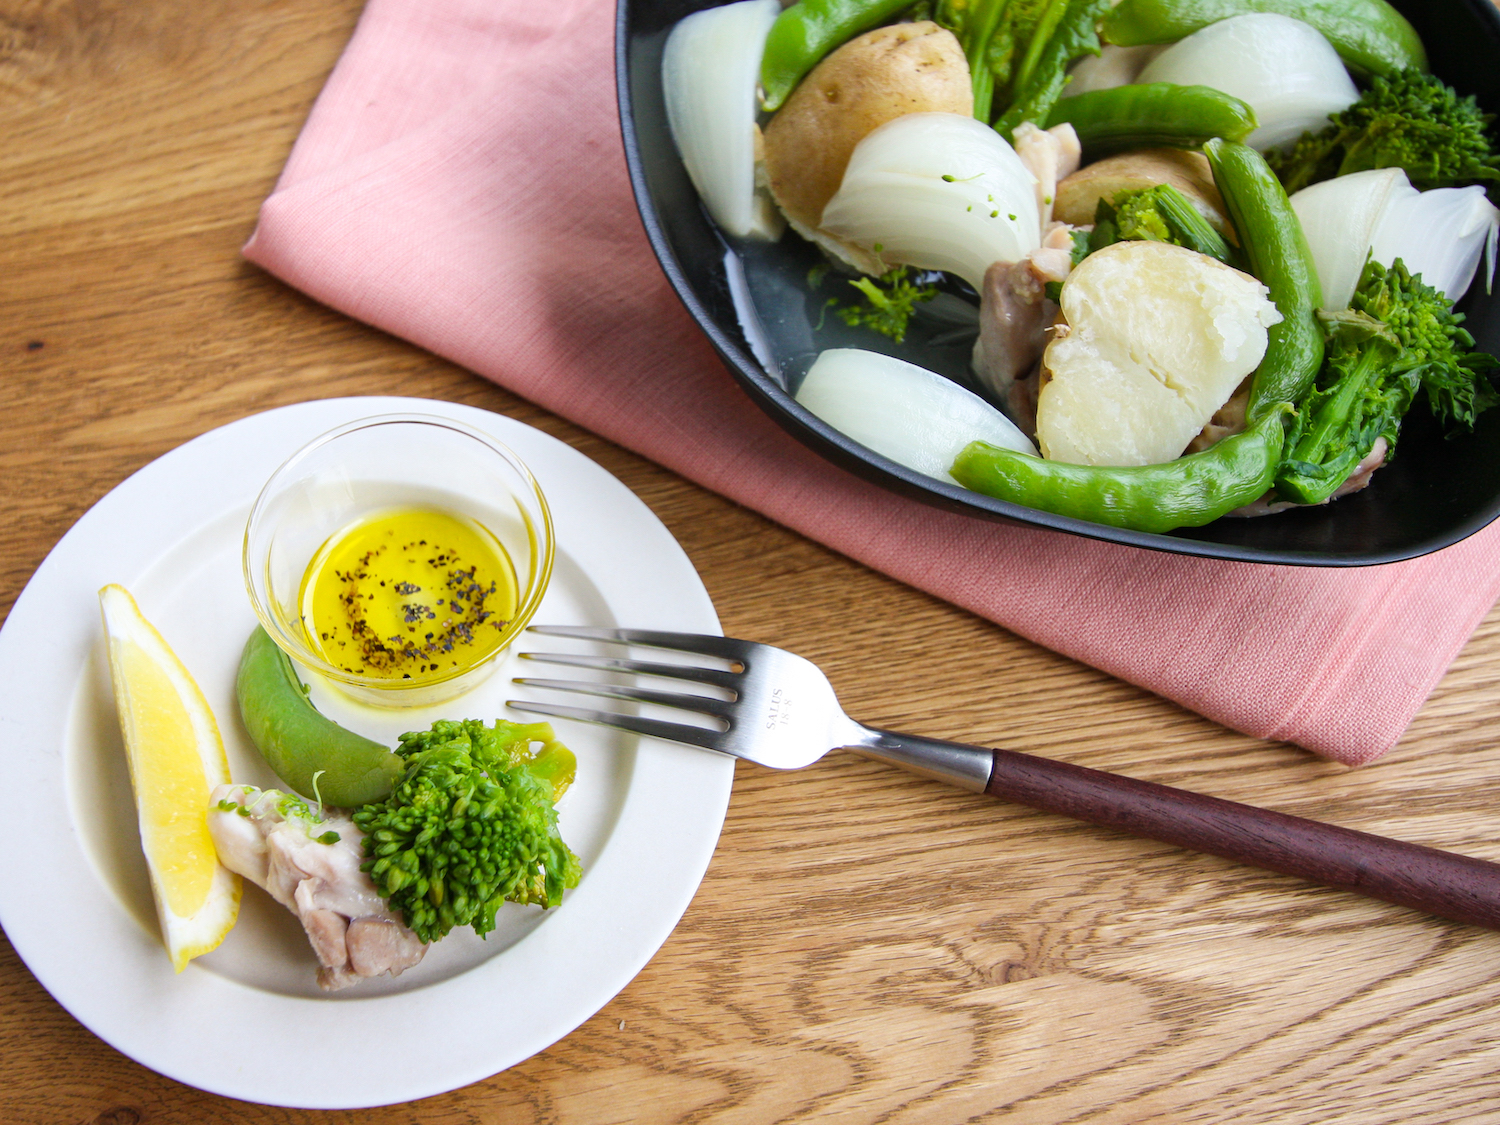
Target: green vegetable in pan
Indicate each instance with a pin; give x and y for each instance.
(1152, 115)
(807, 31)
(1397, 336)
(1276, 252)
(1410, 121)
(1188, 492)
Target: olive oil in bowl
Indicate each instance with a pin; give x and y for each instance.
(417, 595)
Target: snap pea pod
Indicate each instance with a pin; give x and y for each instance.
(1153, 115)
(1369, 35)
(1275, 248)
(306, 749)
(807, 31)
(1188, 492)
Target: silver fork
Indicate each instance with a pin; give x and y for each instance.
(781, 712)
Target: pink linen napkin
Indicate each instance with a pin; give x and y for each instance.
(461, 183)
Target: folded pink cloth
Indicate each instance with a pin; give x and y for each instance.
(461, 183)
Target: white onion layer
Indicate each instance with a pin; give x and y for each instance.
(901, 411)
(1283, 68)
(710, 69)
(1439, 234)
(938, 191)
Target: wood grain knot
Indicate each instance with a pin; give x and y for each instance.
(119, 1115)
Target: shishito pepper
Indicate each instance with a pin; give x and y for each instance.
(1152, 115)
(1188, 492)
(1199, 488)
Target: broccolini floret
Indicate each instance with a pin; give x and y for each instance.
(1156, 214)
(1411, 121)
(471, 824)
(888, 305)
(1398, 335)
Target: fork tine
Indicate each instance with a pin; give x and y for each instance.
(719, 708)
(724, 648)
(636, 724)
(713, 676)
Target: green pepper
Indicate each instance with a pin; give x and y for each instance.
(1275, 248)
(1188, 492)
(1153, 115)
(307, 750)
(807, 31)
(1046, 69)
(1369, 35)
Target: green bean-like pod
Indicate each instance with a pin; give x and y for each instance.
(1276, 250)
(310, 752)
(1188, 492)
(1152, 115)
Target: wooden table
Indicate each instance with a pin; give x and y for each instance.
(866, 946)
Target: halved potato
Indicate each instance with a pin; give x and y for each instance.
(1158, 337)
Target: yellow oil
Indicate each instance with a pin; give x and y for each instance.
(415, 594)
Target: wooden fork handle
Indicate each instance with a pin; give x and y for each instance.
(1451, 886)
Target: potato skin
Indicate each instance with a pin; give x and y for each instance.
(1188, 172)
(883, 74)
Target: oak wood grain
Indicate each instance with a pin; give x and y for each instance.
(866, 947)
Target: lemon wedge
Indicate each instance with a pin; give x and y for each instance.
(176, 758)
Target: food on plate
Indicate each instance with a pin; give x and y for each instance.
(310, 862)
(307, 750)
(176, 757)
(1171, 326)
(471, 825)
(1157, 338)
(414, 594)
(883, 74)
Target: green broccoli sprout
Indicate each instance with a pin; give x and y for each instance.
(1411, 121)
(888, 305)
(1156, 214)
(1397, 336)
(471, 824)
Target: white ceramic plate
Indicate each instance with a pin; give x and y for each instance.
(247, 1020)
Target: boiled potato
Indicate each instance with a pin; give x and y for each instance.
(1158, 337)
(1079, 194)
(883, 74)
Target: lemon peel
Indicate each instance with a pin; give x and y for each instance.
(176, 757)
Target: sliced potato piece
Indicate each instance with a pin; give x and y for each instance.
(1158, 339)
(1079, 194)
(881, 75)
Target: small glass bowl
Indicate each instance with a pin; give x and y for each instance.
(386, 463)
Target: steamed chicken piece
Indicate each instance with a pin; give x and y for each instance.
(1014, 318)
(352, 930)
(1158, 338)
(1051, 156)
